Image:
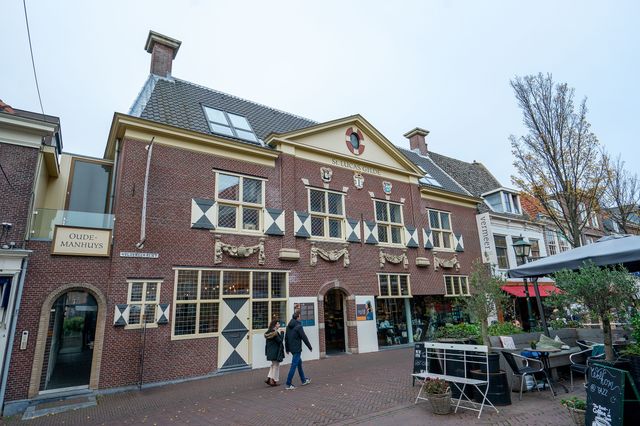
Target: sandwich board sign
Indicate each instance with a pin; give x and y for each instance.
(612, 398)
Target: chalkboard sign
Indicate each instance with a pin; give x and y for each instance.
(608, 389)
(419, 359)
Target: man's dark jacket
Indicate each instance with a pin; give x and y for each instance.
(295, 336)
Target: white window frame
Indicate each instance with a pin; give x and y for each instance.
(388, 224)
(143, 302)
(456, 285)
(551, 238)
(326, 216)
(563, 243)
(220, 298)
(270, 299)
(240, 205)
(442, 231)
(594, 220)
(389, 295)
(506, 250)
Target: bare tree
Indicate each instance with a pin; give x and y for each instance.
(622, 194)
(559, 160)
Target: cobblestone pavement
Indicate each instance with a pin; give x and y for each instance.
(349, 389)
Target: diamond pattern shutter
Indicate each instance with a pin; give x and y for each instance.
(301, 224)
(370, 232)
(121, 315)
(274, 222)
(411, 236)
(428, 238)
(459, 242)
(203, 213)
(353, 230)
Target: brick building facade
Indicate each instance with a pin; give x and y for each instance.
(229, 214)
(29, 144)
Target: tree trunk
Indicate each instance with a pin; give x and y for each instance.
(484, 330)
(606, 331)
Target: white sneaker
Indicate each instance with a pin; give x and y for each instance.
(290, 387)
(306, 382)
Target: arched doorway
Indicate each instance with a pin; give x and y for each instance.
(70, 341)
(335, 330)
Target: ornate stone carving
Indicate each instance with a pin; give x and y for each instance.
(439, 262)
(392, 258)
(329, 255)
(238, 251)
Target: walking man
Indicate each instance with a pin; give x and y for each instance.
(293, 343)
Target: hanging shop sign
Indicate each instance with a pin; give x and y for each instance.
(75, 241)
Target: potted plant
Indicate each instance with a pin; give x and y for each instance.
(600, 290)
(576, 407)
(439, 395)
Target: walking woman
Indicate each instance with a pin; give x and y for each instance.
(274, 350)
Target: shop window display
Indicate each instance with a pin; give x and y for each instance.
(392, 322)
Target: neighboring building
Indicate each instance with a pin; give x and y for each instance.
(612, 221)
(501, 223)
(554, 238)
(29, 147)
(208, 216)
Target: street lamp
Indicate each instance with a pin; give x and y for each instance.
(523, 251)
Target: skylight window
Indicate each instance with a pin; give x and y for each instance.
(228, 124)
(430, 180)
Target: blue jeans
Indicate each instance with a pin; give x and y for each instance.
(296, 362)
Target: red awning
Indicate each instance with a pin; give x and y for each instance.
(517, 290)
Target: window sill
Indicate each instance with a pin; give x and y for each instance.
(392, 245)
(243, 232)
(194, 336)
(457, 295)
(139, 326)
(443, 250)
(395, 297)
(327, 240)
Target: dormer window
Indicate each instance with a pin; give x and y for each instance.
(503, 202)
(228, 124)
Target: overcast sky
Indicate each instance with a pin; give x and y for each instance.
(441, 65)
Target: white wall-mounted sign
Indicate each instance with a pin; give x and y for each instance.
(137, 254)
(487, 244)
(75, 241)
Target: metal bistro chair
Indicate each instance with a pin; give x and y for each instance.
(526, 369)
(580, 362)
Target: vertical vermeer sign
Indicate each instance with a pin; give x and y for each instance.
(487, 244)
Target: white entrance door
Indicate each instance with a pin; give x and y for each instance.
(233, 344)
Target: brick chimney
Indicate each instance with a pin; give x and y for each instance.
(163, 51)
(417, 141)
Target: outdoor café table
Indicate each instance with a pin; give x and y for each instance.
(543, 356)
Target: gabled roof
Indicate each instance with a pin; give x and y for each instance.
(179, 103)
(474, 177)
(436, 172)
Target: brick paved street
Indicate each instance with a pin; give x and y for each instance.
(351, 389)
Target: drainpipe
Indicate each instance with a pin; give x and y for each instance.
(12, 333)
(143, 219)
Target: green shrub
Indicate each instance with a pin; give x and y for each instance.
(458, 331)
(574, 402)
(634, 348)
(504, 329)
